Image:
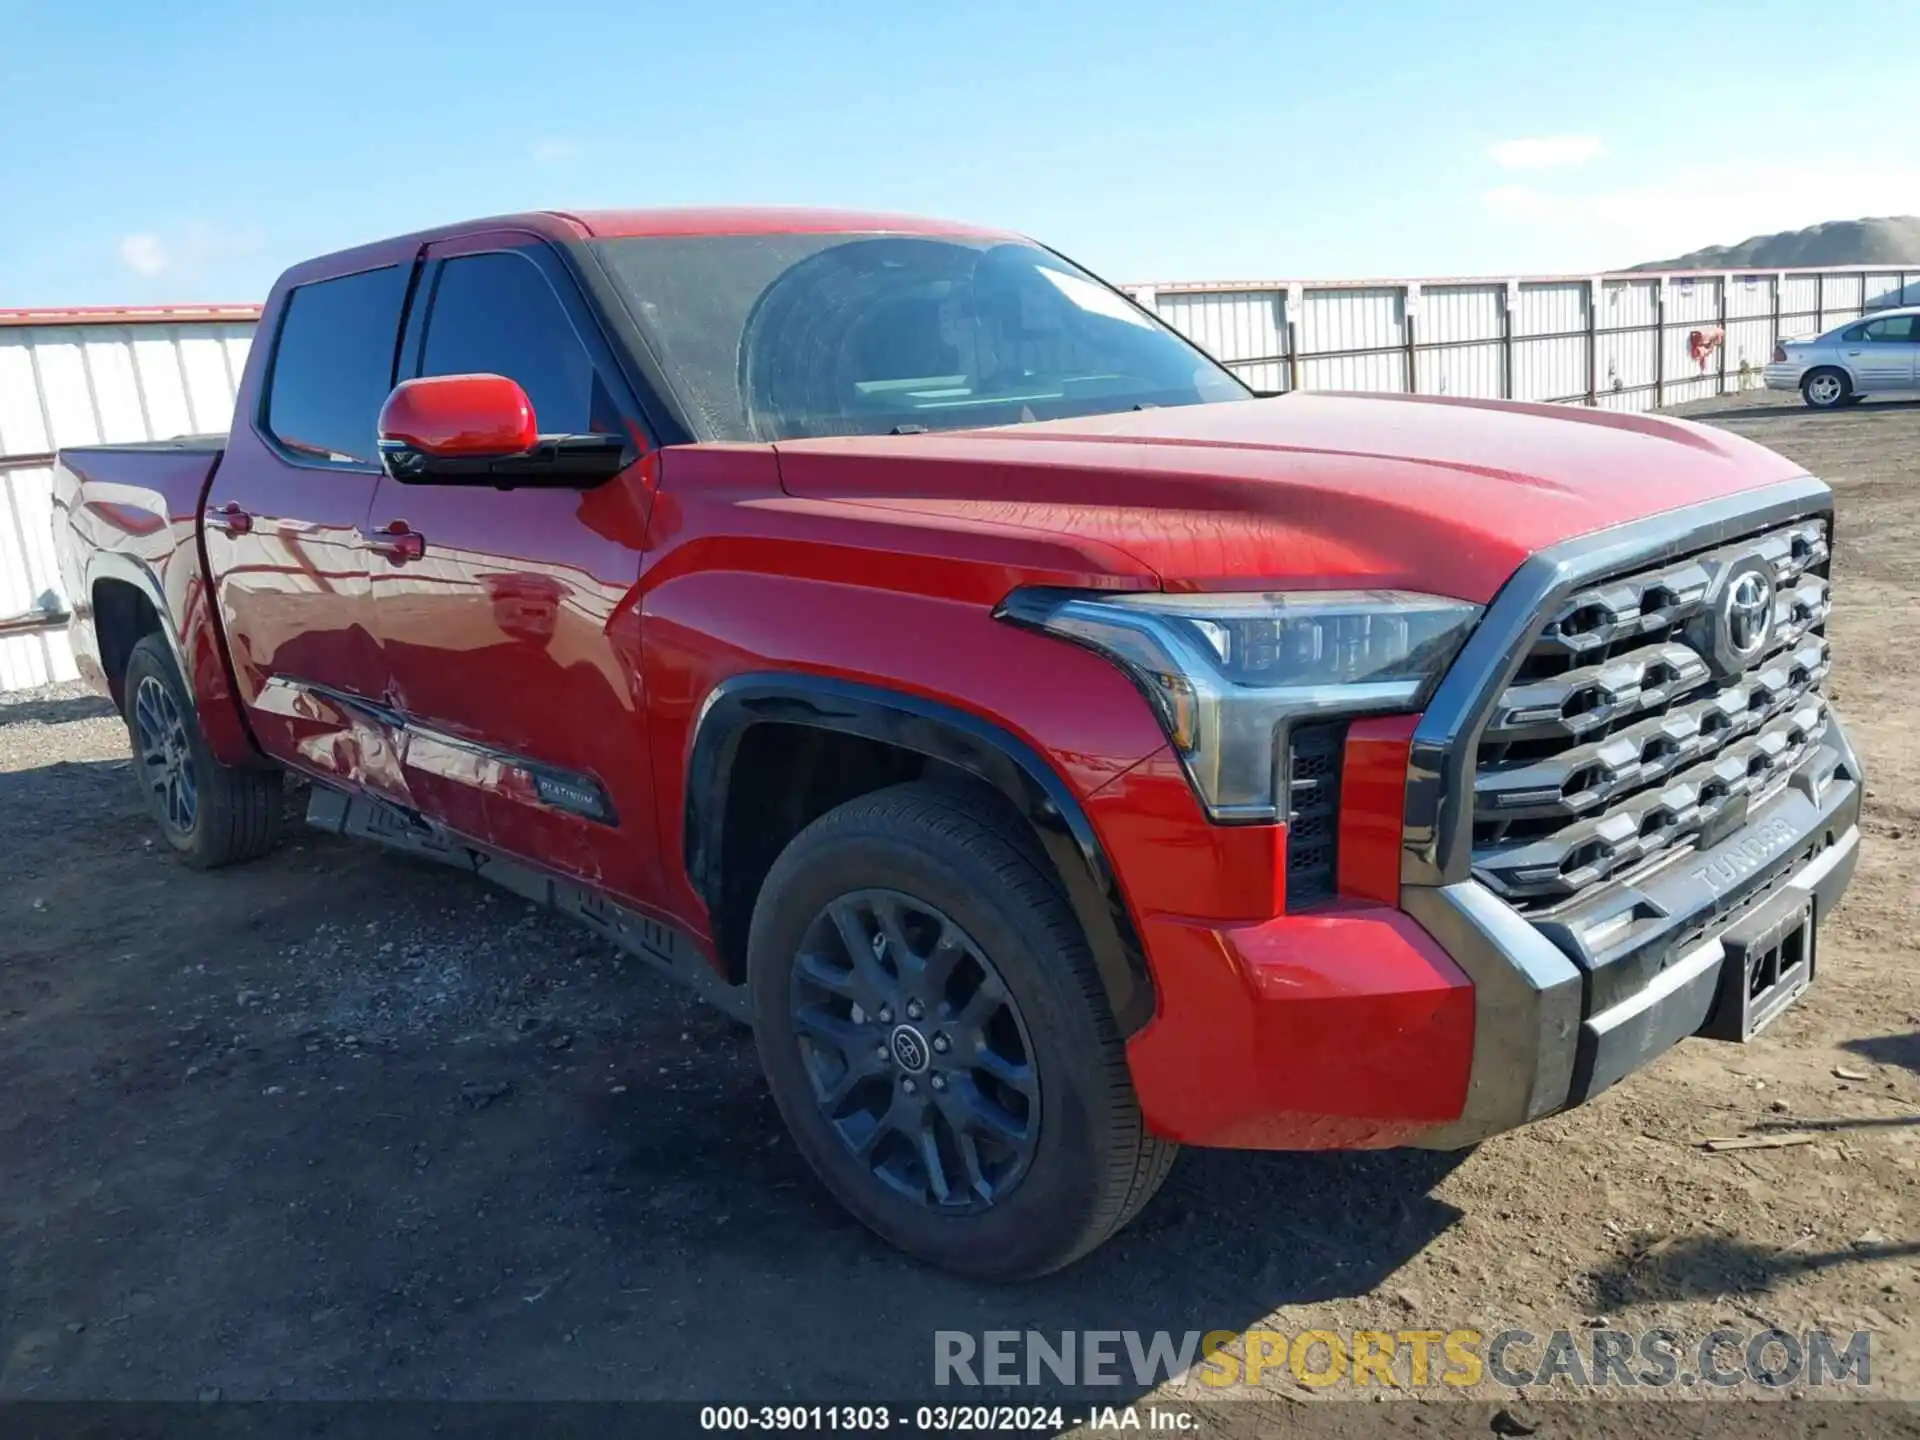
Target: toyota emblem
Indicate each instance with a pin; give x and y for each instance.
(1736, 625)
(910, 1049)
(1747, 615)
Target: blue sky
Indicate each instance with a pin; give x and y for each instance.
(190, 151)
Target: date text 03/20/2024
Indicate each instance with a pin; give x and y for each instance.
(944, 1419)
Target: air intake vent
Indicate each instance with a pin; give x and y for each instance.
(1314, 753)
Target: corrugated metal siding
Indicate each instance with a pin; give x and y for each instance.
(1750, 295)
(1750, 338)
(1693, 307)
(1800, 306)
(1466, 321)
(82, 377)
(28, 581)
(82, 385)
(1572, 338)
(1236, 327)
(1840, 298)
(1884, 290)
(1624, 361)
(1353, 319)
(1549, 360)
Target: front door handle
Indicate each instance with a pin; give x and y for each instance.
(399, 542)
(229, 518)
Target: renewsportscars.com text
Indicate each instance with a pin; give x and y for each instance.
(1402, 1359)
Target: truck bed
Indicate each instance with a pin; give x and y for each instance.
(127, 516)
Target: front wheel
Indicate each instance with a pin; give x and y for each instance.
(937, 1040)
(1826, 389)
(211, 814)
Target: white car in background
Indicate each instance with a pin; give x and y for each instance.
(1874, 355)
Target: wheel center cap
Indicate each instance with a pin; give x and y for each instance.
(910, 1049)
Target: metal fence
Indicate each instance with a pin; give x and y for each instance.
(1626, 341)
(81, 377)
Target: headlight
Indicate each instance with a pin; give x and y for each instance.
(1227, 674)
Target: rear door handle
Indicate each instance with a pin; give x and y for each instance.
(399, 542)
(229, 518)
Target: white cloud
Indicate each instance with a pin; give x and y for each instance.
(143, 254)
(551, 152)
(193, 252)
(1546, 152)
(1696, 205)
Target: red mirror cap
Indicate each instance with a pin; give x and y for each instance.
(459, 416)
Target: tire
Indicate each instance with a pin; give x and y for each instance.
(211, 814)
(924, 875)
(1826, 388)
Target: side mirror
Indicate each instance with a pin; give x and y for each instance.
(480, 430)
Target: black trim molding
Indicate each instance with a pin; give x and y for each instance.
(943, 733)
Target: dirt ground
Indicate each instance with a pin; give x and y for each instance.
(343, 1125)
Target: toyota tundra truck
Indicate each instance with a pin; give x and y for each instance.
(1054, 751)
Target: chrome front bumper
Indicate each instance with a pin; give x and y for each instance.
(1557, 1019)
(1567, 1001)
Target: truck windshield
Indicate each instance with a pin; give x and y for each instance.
(783, 337)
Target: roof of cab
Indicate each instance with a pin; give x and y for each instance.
(764, 220)
(566, 225)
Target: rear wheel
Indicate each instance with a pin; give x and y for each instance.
(211, 814)
(938, 1042)
(1826, 389)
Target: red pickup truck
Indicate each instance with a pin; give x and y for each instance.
(1056, 752)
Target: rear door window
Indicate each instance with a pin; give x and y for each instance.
(333, 366)
(495, 314)
(1894, 330)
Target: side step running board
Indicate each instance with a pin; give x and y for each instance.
(661, 946)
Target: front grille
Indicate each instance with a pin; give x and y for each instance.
(1616, 743)
(1314, 756)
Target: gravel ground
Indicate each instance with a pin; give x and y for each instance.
(342, 1125)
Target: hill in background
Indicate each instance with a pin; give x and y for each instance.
(1888, 240)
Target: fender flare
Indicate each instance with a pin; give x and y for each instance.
(941, 732)
(222, 721)
(137, 575)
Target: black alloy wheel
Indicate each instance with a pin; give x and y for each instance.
(210, 814)
(165, 756)
(936, 1035)
(919, 1058)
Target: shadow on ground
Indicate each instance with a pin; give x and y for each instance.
(54, 712)
(1792, 409)
(1707, 1266)
(336, 1124)
(1901, 1050)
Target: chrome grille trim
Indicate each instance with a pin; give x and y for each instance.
(1586, 699)
(1614, 742)
(1651, 748)
(1603, 615)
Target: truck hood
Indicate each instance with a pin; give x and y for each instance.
(1309, 491)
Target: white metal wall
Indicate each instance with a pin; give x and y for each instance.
(1247, 329)
(1465, 320)
(83, 384)
(1524, 338)
(79, 378)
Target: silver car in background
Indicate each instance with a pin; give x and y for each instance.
(1874, 355)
